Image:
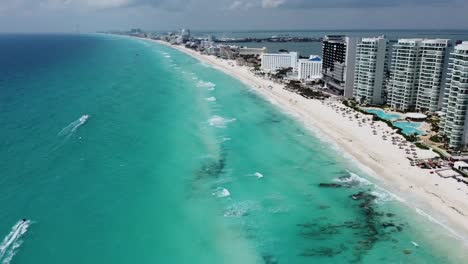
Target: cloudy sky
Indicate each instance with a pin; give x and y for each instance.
(92, 15)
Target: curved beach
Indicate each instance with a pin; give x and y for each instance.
(445, 199)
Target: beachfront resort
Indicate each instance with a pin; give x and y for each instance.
(415, 88)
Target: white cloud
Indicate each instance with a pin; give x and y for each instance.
(272, 3)
(236, 5)
(84, 4)
(242, 5)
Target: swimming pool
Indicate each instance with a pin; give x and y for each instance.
(409, 128)
(384, 115)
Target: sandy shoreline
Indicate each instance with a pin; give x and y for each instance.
(446, 199)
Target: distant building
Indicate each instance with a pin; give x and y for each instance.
(205, 44)
(371, 67)
(417, 74)
(243, 51)
(310, 69)
(185, 33)
(228, 52)
(454, 124)
(183, 37)
(213, 50)
(339, 53)
(136, 31)
(276, 61)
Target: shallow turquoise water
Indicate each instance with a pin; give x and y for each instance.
(177, 163)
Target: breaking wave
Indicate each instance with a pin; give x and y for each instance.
(381, 194)
(258, 175)
(220, 122)
(221, 192)
(209, 85)
(240, 209)
(11, 243)
(352, 179)
(211, 99)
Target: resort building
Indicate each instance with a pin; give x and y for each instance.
(276, 61)
(205, 44)
(310, 69)
(183, 37)
(371, 68)
(454, 123)
(243, 51)
(433, 74)
(339, 53)
(404, 74)
(417, 74)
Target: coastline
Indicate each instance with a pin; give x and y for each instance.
(446, 198)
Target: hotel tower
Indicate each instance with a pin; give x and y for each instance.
(454, 123)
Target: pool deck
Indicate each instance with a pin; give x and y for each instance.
(397, 117)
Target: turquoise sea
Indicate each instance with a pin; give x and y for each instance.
(178, 163)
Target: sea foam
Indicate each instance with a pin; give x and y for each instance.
(208, 85)
(221, 192)
(220, 122)
(211, 99)
(258, 175)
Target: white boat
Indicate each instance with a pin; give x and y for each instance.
(84, 118)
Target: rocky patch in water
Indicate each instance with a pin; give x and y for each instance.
(373, 226)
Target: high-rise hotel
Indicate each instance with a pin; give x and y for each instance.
(417, 75)
(454, 123)
(339, 54)
(370, 70)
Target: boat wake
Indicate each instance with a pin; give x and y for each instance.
(72, 127)
(10, 244)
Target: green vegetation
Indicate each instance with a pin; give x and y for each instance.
(436, 139)
(434, 121)
(422, 146)
(295, 86)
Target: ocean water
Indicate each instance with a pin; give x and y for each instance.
(179, 163)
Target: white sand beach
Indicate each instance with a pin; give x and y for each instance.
(445, 199)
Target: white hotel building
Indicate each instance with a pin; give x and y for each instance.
(276, 61)
(404, 73)
(433, 74)
(309, 69)
(454, 123)
(370, 69)
(417, 76)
